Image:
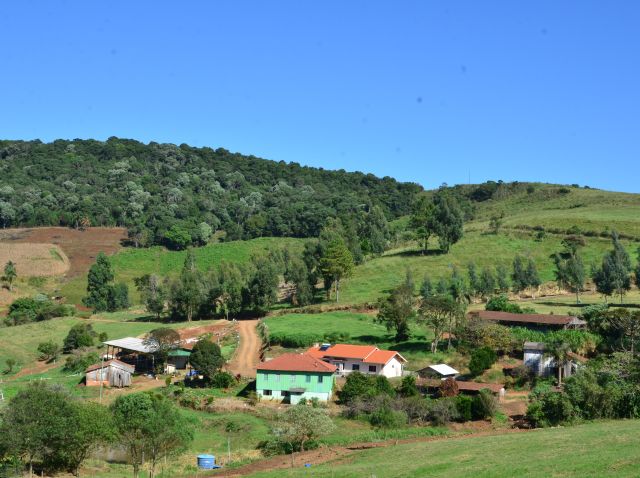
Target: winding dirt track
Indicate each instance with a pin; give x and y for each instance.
(247, 354)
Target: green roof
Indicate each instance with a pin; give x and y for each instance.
(179, 353)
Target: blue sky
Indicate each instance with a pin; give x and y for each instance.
(422, 91)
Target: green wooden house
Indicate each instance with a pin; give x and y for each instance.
(291, 377)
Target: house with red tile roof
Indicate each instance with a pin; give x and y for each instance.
(367, 359)
(292, 377)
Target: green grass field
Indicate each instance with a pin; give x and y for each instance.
(131, 263)
(378, 276)
(590, 450)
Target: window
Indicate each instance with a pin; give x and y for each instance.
(320, 378)
(308, 379)
(265, 376)
(372, 368)
(266, 393)
(277, 377)
(355, 366)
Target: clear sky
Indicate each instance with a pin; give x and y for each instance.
(425, 91)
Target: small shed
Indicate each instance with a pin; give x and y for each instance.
(441, 371)
(536, 360)
(178, 359)
(112, 373)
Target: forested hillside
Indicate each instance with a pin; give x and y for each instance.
(179, 195)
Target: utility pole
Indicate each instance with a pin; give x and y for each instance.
(229, 447)
(101, 376)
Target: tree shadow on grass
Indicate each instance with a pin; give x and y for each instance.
(416, 253)
(581, 305)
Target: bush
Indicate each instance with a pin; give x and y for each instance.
(408, 387)
(550, 408)
(484, 405)
(500, 303)
(385, 417)
(443, 411)
(222, 380)
(359, 385)
(481, 359)
(337, 337)
(80, 360)
(48, 350)
(80, 335)
(298, 340)
(463, 405)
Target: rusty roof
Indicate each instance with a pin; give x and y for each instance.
(545, 319)
(297, 363)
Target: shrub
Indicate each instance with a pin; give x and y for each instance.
(500, 303)
(408, 387)
(449, 388)
(298, 340)
(550, 408)
(484, 405)
(481, 360)
(80, 335)
(337, 337)
(463, 405)
(443, 411)
(385, 417)
(222, 380)
(80, 360)
(359, 385)
(48, 350)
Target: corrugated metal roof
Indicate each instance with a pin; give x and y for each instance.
(131, 343)
(444, 369)
(108, 363)
(544, 319)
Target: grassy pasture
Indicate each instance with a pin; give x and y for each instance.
(378, 276)
(590, 450)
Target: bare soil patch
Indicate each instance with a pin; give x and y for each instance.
(79, 247)
(35, 260)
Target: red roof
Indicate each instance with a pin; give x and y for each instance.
(97, 366)
(547, 319)
(296, 363)
(365, 353)
(477, 386)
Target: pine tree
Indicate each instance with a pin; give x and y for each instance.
(519, 275)
(99, 284)
(502, 278)
(474, 280)
(426, 288)
(532, 277)
(336, 264)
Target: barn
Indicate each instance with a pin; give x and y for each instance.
(112, 373)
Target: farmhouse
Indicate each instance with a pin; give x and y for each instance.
(440, 371)
(543, 364)
(367, 359)
(531, 321)
(292, 377)
(112, 373)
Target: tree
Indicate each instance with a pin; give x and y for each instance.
(519, 278)
(487, 284)
(261, 291)
(336, 264)
(495, 222)
(573, 243)
(10, 364)
(422, 220)
(300, 424)
(162, 341)
(187, 292)
(228, 296)
(374, 233)
(474, 280)
(177, 238)
(426, 288)
(99, 284)
(502, 278)
(206, 358)
(80, 335)
(10, 274)
(570, 273)
(561, 352)
(93, 427)
(614, 273)
(152, 293)
(438, 313)
(627, 326)
(408, 387)
(297, 274)
(397, 309)
(533, 279)
(448, 220)
(481, 359)
(118, 297)
(49, 351)
(150, 425)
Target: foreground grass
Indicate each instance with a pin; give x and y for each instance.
(590, 450)
(131, 263)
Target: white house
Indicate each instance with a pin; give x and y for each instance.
(441, 371)
(367, 359)
(544, 365)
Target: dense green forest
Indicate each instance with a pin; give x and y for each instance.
(179, 195)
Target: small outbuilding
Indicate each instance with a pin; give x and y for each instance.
(112, 373)
(441, 371)
(542, 322)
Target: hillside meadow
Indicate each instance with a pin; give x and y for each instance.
(590, 450)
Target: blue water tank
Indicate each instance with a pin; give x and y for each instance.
(207, 462)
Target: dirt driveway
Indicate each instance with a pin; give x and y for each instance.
(247, 354)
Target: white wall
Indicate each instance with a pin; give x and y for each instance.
(393, 368)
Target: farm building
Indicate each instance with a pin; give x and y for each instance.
(464, 387)
(367, 359)
(291, 377)
(440, 371)
(544, 365)
(132, 350)
(112, 373)
(177, 359)
(531, 321)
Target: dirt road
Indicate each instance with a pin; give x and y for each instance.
(247, 354)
